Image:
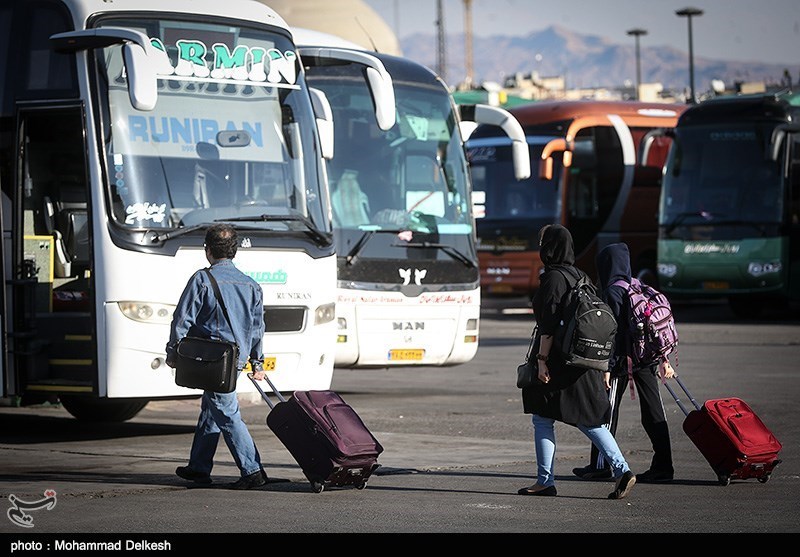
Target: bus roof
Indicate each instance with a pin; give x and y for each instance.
(240, 9)
(758, 106)
(554, 111)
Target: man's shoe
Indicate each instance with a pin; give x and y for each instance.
(256, 479)
(624, 485)
(193, 476)
(592, 473)
(654, 477)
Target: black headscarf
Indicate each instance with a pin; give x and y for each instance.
(556, 247)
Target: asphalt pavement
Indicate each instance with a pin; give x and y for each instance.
(457, 448)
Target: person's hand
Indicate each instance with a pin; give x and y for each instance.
(666, 370)
(259, 375)
(607, 380)
(544, 372)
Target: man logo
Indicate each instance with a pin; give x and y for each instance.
(408, 326)
(419, 274)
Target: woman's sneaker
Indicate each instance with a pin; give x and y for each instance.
(654, 477)
(592, 473)
(624, 485)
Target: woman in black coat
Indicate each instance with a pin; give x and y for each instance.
(566, 394)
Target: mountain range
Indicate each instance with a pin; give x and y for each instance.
(585, 61)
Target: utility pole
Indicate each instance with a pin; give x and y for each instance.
(636, 33)
(689, 13)
(468, 44)
(441, 58)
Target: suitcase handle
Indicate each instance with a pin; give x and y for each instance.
(678, 400)
(275, 391)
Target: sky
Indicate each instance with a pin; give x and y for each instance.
(732, 30)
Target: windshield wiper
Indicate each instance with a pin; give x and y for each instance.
(179, 232)
(680, 217)
(311, 230)
(760, 226)
(449, 250)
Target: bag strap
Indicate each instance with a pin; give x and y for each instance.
(218, 294)
(533, 341)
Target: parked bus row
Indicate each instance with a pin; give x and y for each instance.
(597, 170)
(125, 133)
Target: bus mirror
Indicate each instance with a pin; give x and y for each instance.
(778, 135)
(142, 85)
(493, 116)
(382, 91)
(379, 80)
(139, 66)
(546, 169)
(647, 143)
(522, 160)
(324, 116)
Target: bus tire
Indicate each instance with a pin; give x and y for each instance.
(91, 409)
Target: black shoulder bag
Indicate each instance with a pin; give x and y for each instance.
(208, 364)
(528, 371)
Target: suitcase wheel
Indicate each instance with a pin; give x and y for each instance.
(764, 479)
(361, 485)
(317, 486)
(723, 479)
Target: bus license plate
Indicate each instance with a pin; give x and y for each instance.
(500, 289)
(406, 355)
(715, 285)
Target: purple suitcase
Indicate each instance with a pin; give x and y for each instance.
(325, 436)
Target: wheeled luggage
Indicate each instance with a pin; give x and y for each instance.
(325, 436)
(731, 437)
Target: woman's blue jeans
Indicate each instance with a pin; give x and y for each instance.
(544, 434)
(219, 413)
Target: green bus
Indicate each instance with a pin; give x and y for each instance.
(729, 214)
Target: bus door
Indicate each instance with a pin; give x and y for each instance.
(52, 332)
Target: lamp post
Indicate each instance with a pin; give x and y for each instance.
(688, 13)
(636, 33)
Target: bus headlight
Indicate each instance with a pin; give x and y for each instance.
(668, 270)
(146, 312)
(758, 269)
(324, 314)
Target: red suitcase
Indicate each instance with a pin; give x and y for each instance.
(731, 437)
(325, 436)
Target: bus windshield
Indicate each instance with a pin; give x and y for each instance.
(225, 140)
(411, 177)
(498, 195)
(722, 175)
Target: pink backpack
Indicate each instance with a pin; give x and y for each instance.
(652, 326)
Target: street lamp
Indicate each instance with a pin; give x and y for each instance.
(688, 13)
(636, 33)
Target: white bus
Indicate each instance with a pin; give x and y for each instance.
(127, 128)
(408, 280)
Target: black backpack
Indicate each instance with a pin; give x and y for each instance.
(585, 333)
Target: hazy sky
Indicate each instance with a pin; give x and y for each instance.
(741, 30)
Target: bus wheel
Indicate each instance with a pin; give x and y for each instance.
(91, 409)
(745, 307)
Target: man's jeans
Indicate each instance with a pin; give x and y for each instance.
(219, 413)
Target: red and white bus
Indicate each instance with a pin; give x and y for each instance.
(600, 170)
